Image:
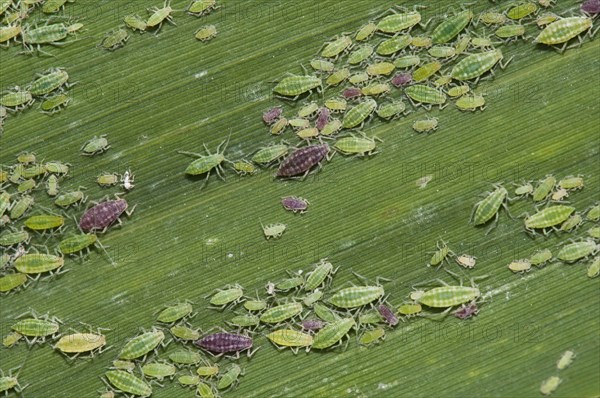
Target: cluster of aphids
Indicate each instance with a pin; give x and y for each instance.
(119, 36)
(556, 215)
(27, 226)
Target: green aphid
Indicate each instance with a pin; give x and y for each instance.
(550, 385)
(270, 153)
(274, 231)
(451, 27)
(77, 243)
(365, 32)
(373, 336)
(325, 313)
(175, 313)
(375, 89)
(5, 259)
(33, 171)
(475, 65)
(52, 6)
(230, 378)
(483, 42)
(188, 380)
(540, 257)
(321, 65)
(44, 222)
(358, 114)
(447, 296)
(185, 357)
(442, 51)
(290, 338)
(56, 167)
(520, 266)
(371, 317)
(407, 61)
(159, 370)
(205, 390)
(425, 96)
(228, 296)
(55, 103)
(290, 283)
(356, 296)
(16, 99)
(78, 343)
(142, 344)
(128, 383)
(206, 33)
(471, 103)
(123, 365)
(393, 45)
(244, 167)
(10, 382)
(565, 360)
(524, 190)
(410, 309)
(184, 333)
(310, 299)
(4, 220)
(333, 333)
(53, 79)
(571, 182)
(337, 77)
(67, 199)
(548, 217)
(281, 313)
(332, 127)
(11, 339)
(199, 8)
(361, 54)
(244, 321)
(594, 232)
(134, 22)
(114, 39)
(544, 188)
(521, 11)
(255, 305)
(593, 213)
(425, 125)
(52, 185)
(95, 146)
(462, 44)
(10, 282)
(26, 185)
(510, 32)
(594, 268)
(578, 250)
(546, 19)
(458, 91)
(334, 48)
(442, 81)
(207, 369)
(206, 163)
(421, 42)
(37, 328)
(3, 173)
(391, 110)
(299, 123)
(358, 146)
(5, 203)
(322, 271)
(572, 223)
(380, 68)
(294, 86)
(8, 239)
(16, 173)
(26, 157)
(160, 15)
(359, 78)
(488, 207)
(336, 104)
(441, 254)
(398, 22)
(492, 18)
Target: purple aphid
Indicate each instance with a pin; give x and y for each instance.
(388, 315)
(102, 215)
(322, 118)
(223, 342)
(271, 115)
(466, 311)
(591, 6)
(312, 324)
(302, 160)
(352, 92)
(295, 204)
(401, 79)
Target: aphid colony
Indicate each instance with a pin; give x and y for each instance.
(34, 240)
(119, 36)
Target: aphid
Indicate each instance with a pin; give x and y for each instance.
(361, 54)
(231, 295)
(26, 185)
(488, 207)
(593, 213)
(365, 32)
(308, 133)
(55, 103)
(244, 321)
(294, 86)
(322, 271)
(308, 110)
(14, 238)
(38, 327)
(16, 99)
(4, 220)
(255, 305)
(185, 357)
(5, 203)
(299, 123)
(372, 336)
(321, 65)
(78, 343)
(370, 317)
(244, 167)
(332, 127)
(492, 18)
(441, 254)
(127, 180)
(544, 188)
(224, 342)
(52, 6)
(407, 61)
(159, 15)
(114, 39)
(70, 198)
(356, 296)
(312, 324)
(546, 19)
(159, 370)
(188, 380)
(559, 195)
(302, 160)
(324, 312)
(563, 30)
(10, 382)
(391, 110)
(208, 369)
(44, 222)
(337, 77)
(359, 78)
(11, 339)
(483, 42)
(334, 48)
(442, 51)
(572, 223)
(47, 34)
(401, 79)
(95, 146)
(10, 282)
(397, 22)
(375, 89)
(273, 230)
(423, 181)
(270, 116)
(270, 154)
(199, 8)
(16, 173)
(142, 344)
(448, 296)
(461, 45)
(290, 338)
(410, 309)
(9, 32)
(565, 360)
(322, 118)
(442, 81)
(521, 11)
(290, 283)
(352, 93)
(393, 45)
(590, 7)
(134, 22)
(524, 190)
(471, 103)
(510, 32)
(594, 268)
(103, 215)
(457, 91)
(550, 385)
(425, 125)
(26, 157)
(205, 390)
(206, 32)
(358, 114)
(33, 171)
(333, 333)
(421, 42)
(425, 96)
(184, 333)
(230, 378)
(359, 146)
(128, 383)
(175, 313)
(206, 163)
(520, 266)
(451, 27)
(571, 183)
(388, 315)
(295, 204)
(380, 68)
(475, 65)
(312, 298)
(578, 250)
(548, 217)
(540, 257)
(594, 232)
(52, 185)
(467, 311)
(281, 312)
(466, 261)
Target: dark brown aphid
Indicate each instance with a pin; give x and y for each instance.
(401, 79)
(224, 342)
(467, 310)
(388, 315)
(591, 6)
(302, 160)
(271, 115)
(352, 92)
(312, 324)
(295, 204)
(102, 215)
(322, 118)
